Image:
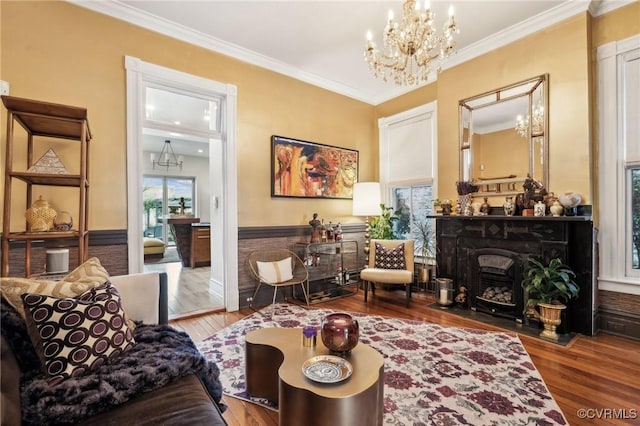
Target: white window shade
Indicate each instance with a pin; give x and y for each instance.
(407, 146)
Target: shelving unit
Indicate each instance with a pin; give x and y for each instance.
(48, 120)
(322, 260)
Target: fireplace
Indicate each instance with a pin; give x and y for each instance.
(494, 283)
(487, 254)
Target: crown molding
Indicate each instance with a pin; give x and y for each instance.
(600, 7)
(142, 19)
(163, 26)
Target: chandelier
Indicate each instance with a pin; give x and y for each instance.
(412, 47)
(167, 157)
(537, 124)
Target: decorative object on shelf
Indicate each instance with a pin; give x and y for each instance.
(40, 216)
(57, 261)
(315, 228)
(49, 163)
(309, 334)
(445, 292)
(570, 201)
(534, 191)
(311, 170)
(485, 208)
(446, 207)
(509, 207)
(556, 208)
(540, 209)
(337, 232)
(167, 158)
(340, 332)
(547, 287)
(63, 222)
(465, 189)
(412, 47)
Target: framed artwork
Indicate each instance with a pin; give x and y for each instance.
(311, 170)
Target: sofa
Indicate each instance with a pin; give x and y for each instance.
(184, 400)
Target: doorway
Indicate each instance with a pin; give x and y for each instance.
(221, 200)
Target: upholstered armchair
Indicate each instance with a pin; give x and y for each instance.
(390, 262)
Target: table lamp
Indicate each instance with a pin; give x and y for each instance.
(366, 202)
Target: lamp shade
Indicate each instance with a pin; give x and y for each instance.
(366, 199)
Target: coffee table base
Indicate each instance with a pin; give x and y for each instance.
(274, 360)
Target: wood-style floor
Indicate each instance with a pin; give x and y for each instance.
(189, 288)
(591, 373)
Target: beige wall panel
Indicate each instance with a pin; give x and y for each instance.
(58, 52)
(616, 25)
(561, 51)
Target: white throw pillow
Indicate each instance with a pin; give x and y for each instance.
(275, 272)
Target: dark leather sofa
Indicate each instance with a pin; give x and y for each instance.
(182, 402)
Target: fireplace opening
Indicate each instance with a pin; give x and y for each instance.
(496, 283)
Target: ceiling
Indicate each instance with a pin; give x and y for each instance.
(322, 42)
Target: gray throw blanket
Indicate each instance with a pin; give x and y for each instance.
(161, 355)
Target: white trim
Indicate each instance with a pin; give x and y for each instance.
(597, 8)
(124, 12)
(613, 275)
(224, 285)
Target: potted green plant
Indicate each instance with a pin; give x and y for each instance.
(548, 287)
(425, 242)
(381, 227)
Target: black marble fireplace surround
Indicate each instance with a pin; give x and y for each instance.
(491, 251)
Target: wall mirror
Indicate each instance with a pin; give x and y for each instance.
(504, 137)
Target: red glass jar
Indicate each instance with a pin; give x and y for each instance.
(340, 332)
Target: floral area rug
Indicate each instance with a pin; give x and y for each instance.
(433, 375)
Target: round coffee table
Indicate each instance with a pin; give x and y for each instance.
(274, 358)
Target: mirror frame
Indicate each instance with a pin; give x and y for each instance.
(505, 186)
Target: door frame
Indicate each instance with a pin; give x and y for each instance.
(224, 196)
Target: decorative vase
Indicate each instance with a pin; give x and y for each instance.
(340, 332)
(539, 209)
(550, 317)
(40, 216)
(509, 207)
(465, 204)
(556, 208)
(485, 208)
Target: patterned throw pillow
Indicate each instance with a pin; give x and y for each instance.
(75, 336)
(85, 277)
(275, 272)
(390, 258)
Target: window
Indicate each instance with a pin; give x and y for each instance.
(634, 217)
(408, 166)
(619, 165)
(415, 203)
(161, 197)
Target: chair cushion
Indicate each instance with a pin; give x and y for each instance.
(75, 336)
(387, 276)
(390, 258)
(275, 272)
(153, 242)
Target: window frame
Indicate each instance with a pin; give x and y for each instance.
(618, 154)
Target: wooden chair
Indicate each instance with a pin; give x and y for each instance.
(298, 270)
(371, 274)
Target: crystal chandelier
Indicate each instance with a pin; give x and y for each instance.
(537, 126)
(167, 157)
(412, 47)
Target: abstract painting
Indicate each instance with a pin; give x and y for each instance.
(311, 170)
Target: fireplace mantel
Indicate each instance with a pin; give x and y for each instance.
(570, 238)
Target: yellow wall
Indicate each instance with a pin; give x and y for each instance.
(59, 52)
(488, 151)
(560, 50)
(62, 53)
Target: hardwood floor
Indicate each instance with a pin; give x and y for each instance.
(591, 373)
(189, 289)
